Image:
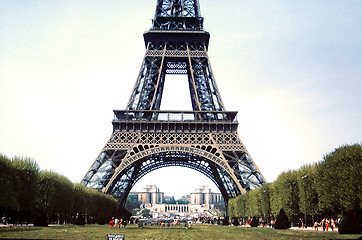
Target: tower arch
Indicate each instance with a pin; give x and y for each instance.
(144, 162)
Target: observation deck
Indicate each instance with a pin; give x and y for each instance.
(174, 121)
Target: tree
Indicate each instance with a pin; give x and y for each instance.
(275, 198)
(265, 200)
(340, 179)
(132, 203)
(241, 206)
(26, 192)
(308, 194)
(254, 202)
(79, 204)
(25, 181)
(54, 197)
(285, 193)
(100, 206)
(328, 187)
(8, 196)
(232, 205)
(146, 213)
(171, 200)
(63, 199)
(45, 198)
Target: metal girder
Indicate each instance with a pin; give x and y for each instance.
(177, 15)
(176, 58)
(130, 155)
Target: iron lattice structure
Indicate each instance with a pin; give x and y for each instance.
(145, 139)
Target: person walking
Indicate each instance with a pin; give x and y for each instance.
(333, 224)
(316, 226)
(111, 223)
(324, 224)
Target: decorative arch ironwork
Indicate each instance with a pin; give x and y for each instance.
(124, 178)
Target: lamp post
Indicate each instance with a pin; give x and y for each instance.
(244, 212)
(74, 210)
(305, 201)
(265, 205)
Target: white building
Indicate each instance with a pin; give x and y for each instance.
(203, 195)
(151, 195)
(202, 203)
(182, 210)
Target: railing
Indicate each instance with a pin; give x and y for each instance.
(174, 116)
(164, 29)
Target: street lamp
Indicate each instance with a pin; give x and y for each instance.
(305, 202)
(244, 212)
(265, 205)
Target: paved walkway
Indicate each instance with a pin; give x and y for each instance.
(320, 229)
(15, 225)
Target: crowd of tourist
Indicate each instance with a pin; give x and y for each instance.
(327, 224)
(115, 222)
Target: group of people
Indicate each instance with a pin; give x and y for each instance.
(326, 224)
(115, 222)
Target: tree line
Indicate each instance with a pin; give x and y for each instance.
(327, 189)
(28, 195)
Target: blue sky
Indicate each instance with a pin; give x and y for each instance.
(293, 70)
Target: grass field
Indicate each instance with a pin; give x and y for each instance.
(198, 232)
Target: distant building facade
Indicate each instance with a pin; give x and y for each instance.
(202, 202)
(182, 210)
(151, 195)
(203, 195)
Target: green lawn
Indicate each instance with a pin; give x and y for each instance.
(198, 232)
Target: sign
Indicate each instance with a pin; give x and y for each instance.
(116, 237)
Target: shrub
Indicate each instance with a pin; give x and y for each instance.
(349, 224)
(41, 219)
(225, 221)
(254, 222)
(235, 221)
(282, 221)
(80, 220)
(124, 213)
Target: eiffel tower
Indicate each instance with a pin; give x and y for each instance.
(144, 138)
